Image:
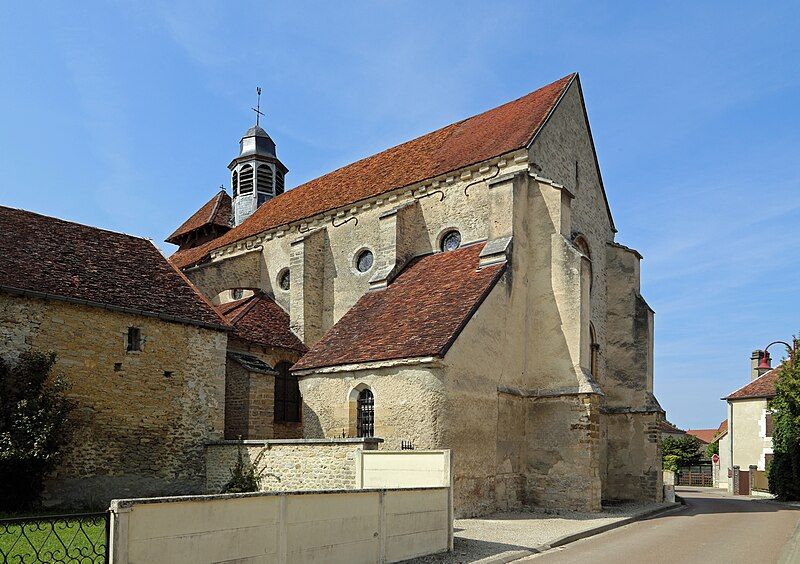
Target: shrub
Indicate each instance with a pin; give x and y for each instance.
(670, 462)
(245, 476)
(712, 449)
(784, 472)
(33, 427)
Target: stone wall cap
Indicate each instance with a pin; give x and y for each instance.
(267, 442)
(121, 505)
(504, 178)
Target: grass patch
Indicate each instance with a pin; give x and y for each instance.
(48, 539)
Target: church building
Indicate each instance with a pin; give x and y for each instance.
(463, 290)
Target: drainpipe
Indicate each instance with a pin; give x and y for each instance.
(730, 433)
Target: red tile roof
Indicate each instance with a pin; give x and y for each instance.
(705, 435)
(761, 387)
(260, 320)
(667, 427)
(495, 132)
(217, 211)
(419, 314)
(53, 258)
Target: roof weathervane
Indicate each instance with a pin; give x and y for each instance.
(257, 109)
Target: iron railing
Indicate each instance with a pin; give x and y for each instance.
(79, 538)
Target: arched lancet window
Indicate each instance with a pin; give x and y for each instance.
(235, 183)
(264, 180)
(246, 179)
(595, 349)
(582, 244)
(365, 415)
(287, 395)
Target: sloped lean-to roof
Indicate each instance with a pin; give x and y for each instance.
(418, 315)
(495, 132)
(761, 387)
(258, 319)
(56, 259)
(217, 211)
(704, 435)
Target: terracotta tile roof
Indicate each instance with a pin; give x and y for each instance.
(667, 427)
(761, 387)
(705, 435)
(723, 427)
(495, 132)
(217, 211)
(419, 314)
(260, 320)
(59, 259)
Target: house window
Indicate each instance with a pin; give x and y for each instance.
(365, 421)
(451, 241)
(769, 424)
(134, 340)
(287, 395)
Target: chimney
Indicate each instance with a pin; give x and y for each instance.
(760, 364)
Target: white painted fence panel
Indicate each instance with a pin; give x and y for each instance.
(403, 469)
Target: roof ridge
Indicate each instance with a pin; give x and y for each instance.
(86, 225)
(247, 306)
(216, 206)
(753, 381)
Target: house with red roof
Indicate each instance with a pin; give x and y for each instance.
(745, 440)
(464, 290)
(142, 350)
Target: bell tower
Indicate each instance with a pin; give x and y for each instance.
(256, 173)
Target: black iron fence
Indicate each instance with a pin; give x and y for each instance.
(79, 538)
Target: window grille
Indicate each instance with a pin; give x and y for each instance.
(365, 423)
(287, 395)
(134, 341)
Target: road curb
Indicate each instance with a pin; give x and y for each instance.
(517, 555)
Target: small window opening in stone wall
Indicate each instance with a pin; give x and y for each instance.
(364, 260)
(284, 280)
(134, 340)
(595, 349)
(117, 367)
(365, 416)
(287, 395)
(168, 373)
(451, 241)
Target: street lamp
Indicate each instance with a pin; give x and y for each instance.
(766, 362)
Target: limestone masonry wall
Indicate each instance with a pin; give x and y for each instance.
(291, 464)
(142, 418)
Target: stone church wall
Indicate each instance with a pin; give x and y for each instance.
(138, 431)
(292, 464)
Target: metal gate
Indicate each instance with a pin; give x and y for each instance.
(80, 537)
(701, 475)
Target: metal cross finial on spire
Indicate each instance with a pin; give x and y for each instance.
(257, 109)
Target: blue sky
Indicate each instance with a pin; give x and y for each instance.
(125, 115)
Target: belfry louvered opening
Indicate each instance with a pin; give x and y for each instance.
(264, 180)
(279, 183)
(246, 179)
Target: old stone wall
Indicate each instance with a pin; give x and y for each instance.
(142, 417)
(291, 464)
(633, 461)
(563, 435)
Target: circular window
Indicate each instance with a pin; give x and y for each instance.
(238, 294)
(451, 241)
(284, 280)
(364, 260)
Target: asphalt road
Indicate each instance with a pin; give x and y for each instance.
(714, 527)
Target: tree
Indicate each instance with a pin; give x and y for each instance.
(679, 451)
(784, 472)
(712, 449)
(33, 427)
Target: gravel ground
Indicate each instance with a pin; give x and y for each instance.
(520, 532)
